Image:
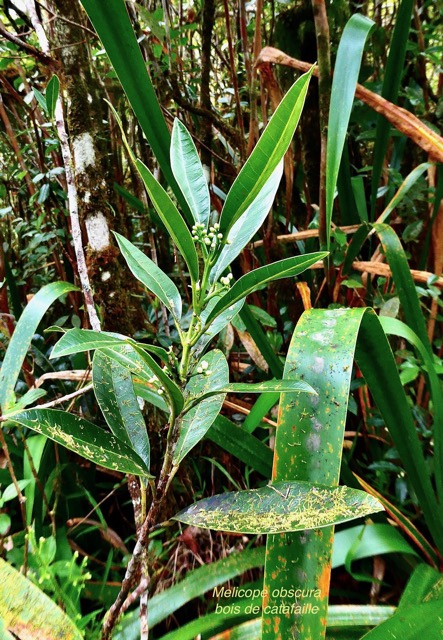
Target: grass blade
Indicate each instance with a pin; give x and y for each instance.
(347, 67)
(22, 336)
(391, 86)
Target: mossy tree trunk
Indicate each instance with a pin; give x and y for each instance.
(92, 151)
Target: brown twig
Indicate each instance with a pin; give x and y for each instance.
(402, 120)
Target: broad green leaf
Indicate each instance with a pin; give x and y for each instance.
(248, 224)
(241, 444)
(412, 622)
(144, 367)
(188, 172)
(309, 440)
(393, 74)
(51, 95)
(425, 585)
(154, 279)
(111, 21)
(84, 438)
(10, 491)
(196, 583)
(267, 154)
(366, 541)
(31, 396)
(280, 507)
(340, 617)
(22, 336)
(29, 613)
(78, 340)
(268, 386)
(347, 67)
(115, 394)
(258, 277)
(196, 422)
(171, 218)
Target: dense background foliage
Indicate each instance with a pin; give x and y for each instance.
(208, 67)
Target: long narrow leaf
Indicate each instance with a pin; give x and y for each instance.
(347, 67)
(171, 218)
(188, 172)
(391, 86)
(21, 339)
(84, 438)
(196, 422)
(258, 277)
(111, 21)
(154, 279)
(280, 507)
(266, 155)
(114, 390)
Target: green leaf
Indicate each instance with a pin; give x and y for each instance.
(22, 336)
(268, 152)
(280, 507)
(196, 422)
(196, 583)
(84, 438)
(111, 21)
(366, 541)
(171, 218)
(35, 446)
(309, 441)
(404, 282)
(78, 340)
(11, 491)
(241, 444)
(115, 394)
(40, 99)
(51, 95)
(393, 74)
(188, 172)
(29, 613)
(218, 324)
(347, 66)
(412, 622)
(396, 327)
(425, 585)
(268, 386)
(154, 279)
(248, 224)
(258, 277)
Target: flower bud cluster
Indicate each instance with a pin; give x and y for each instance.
(226, 280)
(204, 368)
(211, 239)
